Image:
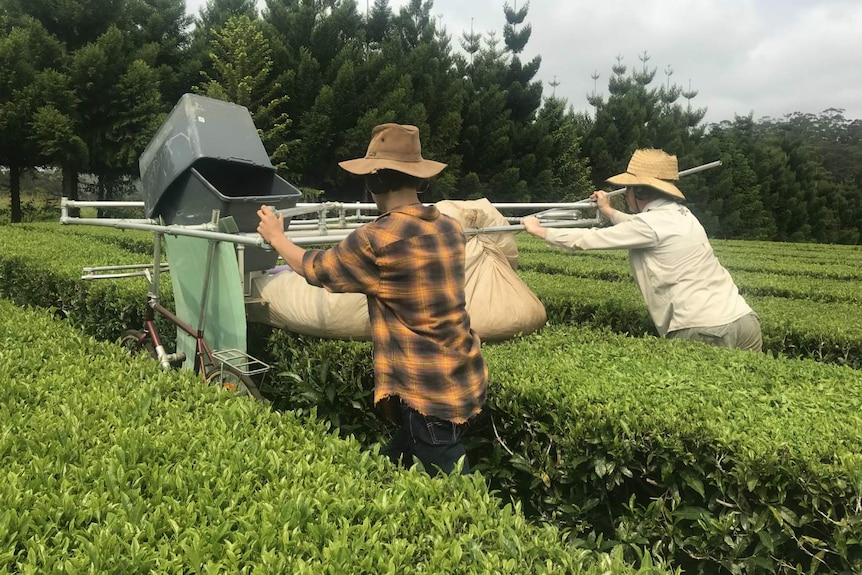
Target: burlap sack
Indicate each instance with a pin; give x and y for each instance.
(500, 304)
(295, 305)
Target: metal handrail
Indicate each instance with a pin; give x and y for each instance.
(209, 231)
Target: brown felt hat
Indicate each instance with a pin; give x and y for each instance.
(653, 168)
(394, 147)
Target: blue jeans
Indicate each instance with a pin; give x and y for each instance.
(435, 442)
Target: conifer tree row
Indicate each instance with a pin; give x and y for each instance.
(84, 85)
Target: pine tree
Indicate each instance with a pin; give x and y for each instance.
(727, 200)
(30, 86)
(112, 103)
(159, 32)
(524, 94)
(378, 23)
(119, 108)
(216, 13)
(74, 23)
(322, 51)
(569, 174)
(638, 115)
(242, 64)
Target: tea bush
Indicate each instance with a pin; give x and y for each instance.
(109, 465)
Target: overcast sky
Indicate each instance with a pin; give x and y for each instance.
(766, 57)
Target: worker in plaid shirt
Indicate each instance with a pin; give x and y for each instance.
(410, 264)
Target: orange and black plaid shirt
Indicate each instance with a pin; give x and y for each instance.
(410, 264)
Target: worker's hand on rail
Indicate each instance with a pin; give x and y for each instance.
(601, 198)
(271, 224)
(271, 229)
(533, 227)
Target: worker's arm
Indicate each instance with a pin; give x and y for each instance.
(534, 227)
(627, 232)
(271, 229)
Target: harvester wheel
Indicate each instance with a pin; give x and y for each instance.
(135, 343)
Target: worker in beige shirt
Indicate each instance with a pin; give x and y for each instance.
(688, 293)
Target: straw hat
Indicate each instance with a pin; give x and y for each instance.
(653, 168)
(394, 147)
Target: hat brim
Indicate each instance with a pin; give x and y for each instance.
(422, 169)
(663, 186)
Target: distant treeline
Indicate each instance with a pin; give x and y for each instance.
(84, 85)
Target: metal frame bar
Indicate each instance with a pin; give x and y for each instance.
(303, 232)
(322, 209)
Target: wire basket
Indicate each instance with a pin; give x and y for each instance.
(241, 361)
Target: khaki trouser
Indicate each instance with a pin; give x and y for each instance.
(743, 333)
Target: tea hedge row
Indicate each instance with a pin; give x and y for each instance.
(718, 459)
(135, 241)
(109, 465)
(825, 331)
(822, 261)
(743, 460)
(616, 305)
(815, 289)
(41, 265)
(795, 327)
(814, 260)
(754, 277)
(323, 388)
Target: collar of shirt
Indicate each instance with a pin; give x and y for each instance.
(665, 205)
(658, 203)
(429, 213)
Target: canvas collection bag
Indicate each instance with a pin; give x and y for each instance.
(500, 304)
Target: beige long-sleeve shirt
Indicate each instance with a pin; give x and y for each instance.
(681, 280)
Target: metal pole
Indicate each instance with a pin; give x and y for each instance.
(67, 203)
(250, 239)
(157, 266)
(240, 261)
(116, 268)
(253, 239)
(335, 238)
(208, 276)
